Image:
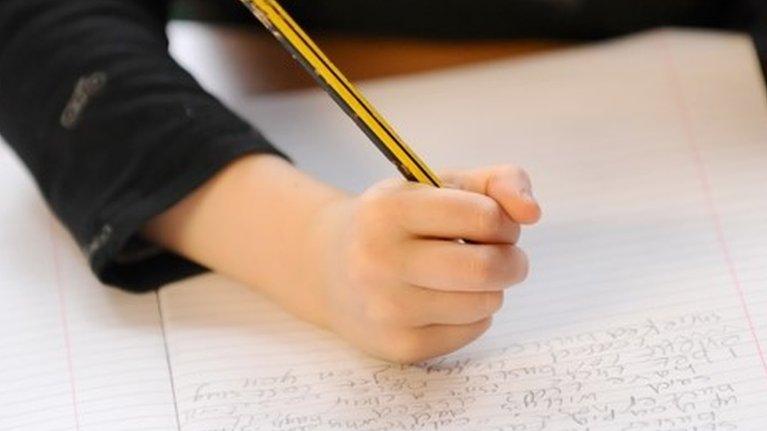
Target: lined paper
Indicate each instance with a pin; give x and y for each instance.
(646, 308)
(75, 355)
(646, 305)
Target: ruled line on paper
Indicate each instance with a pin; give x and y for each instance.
(692, 139)
(64, 321)
(163, 331)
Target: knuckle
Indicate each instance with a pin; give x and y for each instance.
(376, 199)
(483, 267)
(378, 208)
(370, 208)
(521, 264)
(516, 232)
(488, 218)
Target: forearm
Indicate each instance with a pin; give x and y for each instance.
(256, 222)
(112, 129)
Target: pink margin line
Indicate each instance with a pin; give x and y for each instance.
(64, 322)
(705, 180)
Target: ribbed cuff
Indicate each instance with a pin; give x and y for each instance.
(120, 257)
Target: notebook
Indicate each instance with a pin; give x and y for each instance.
(646, 308)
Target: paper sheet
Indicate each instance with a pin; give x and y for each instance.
(74, 355)
(645, 310)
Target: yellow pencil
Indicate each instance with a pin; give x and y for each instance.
(351, 100)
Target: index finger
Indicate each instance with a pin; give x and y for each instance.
(508, 185)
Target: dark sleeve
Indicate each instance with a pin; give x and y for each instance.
(112, 129)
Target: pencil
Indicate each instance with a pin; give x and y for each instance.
(345, 94)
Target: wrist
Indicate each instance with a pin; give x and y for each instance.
(326, 255)
(259, 221)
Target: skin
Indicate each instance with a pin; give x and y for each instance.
(384, 269)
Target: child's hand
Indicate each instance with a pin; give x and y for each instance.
(397, 282)
(384, 270)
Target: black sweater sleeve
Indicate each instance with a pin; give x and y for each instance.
(112, 129)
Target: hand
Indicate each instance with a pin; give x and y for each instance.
(396, 281)
(384, 270)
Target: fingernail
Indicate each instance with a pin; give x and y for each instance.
(527, 195)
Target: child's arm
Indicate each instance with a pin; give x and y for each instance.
(112, 129)
(376, 268)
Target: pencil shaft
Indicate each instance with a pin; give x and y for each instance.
(345, 94)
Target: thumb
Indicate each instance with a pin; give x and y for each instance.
(508, 185)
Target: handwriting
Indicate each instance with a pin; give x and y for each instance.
(651, 374)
